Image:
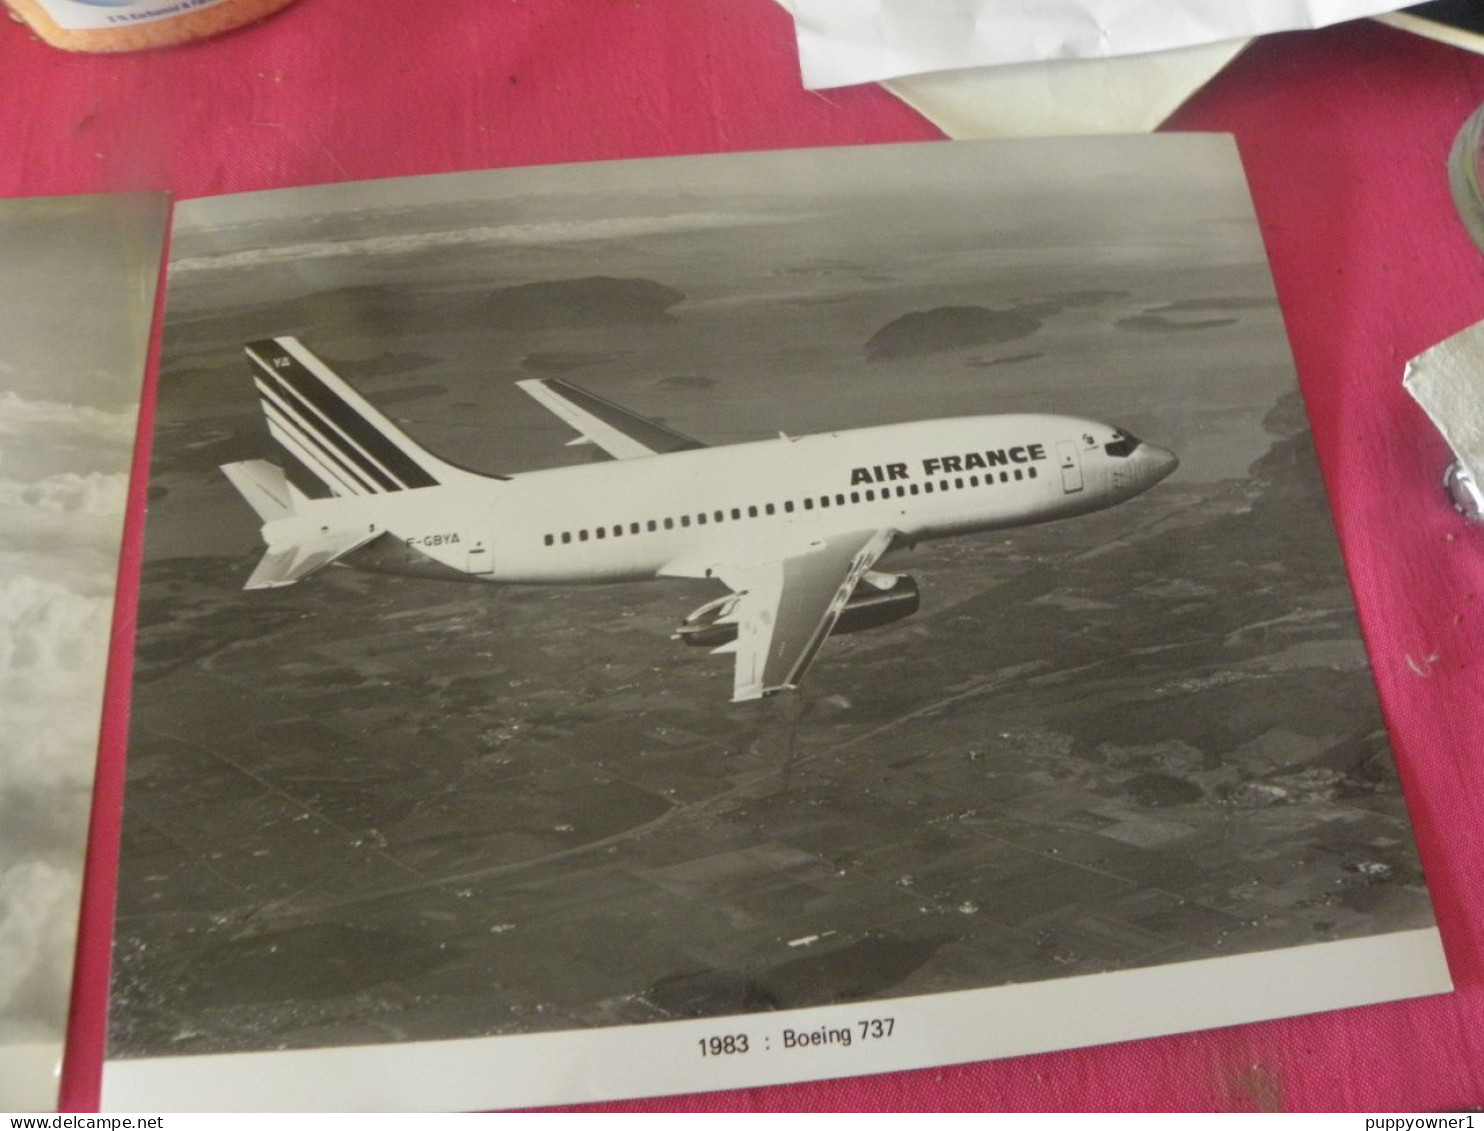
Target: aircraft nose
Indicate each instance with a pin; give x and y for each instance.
(1155, 463)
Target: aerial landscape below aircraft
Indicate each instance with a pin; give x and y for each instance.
(793, 526)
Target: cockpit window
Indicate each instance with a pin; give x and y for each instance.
(1122, 445)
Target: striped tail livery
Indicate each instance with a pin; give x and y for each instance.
(333, 442)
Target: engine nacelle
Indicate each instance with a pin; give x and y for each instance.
(869, 606)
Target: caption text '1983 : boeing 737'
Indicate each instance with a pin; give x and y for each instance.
(793, 526)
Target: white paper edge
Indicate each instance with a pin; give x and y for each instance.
(663, 1058)
(30, 1074)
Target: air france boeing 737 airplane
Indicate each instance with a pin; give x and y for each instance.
(794, 526)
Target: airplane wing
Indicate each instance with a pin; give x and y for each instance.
(619, 432)
(787, 607)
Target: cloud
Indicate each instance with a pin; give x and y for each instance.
(53, 641)
(560, 231)
(38, 923)
(48, 751)
(20, 414)
(53, 650)
(40, 438)
(64, 528)
(69, 493)
(52, 655)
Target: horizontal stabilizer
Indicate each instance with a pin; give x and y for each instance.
(264, 486)
(287, 564)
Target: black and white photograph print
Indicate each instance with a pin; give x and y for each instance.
(587, 598)
(77, 287)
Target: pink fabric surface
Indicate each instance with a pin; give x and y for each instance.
(1345, 134)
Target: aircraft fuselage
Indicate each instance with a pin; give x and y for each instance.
(637, 519)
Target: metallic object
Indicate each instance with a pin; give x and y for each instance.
(1463, 492)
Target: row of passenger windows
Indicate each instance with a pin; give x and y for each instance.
(823, 502)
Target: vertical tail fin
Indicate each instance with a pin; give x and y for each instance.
(334, 442)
